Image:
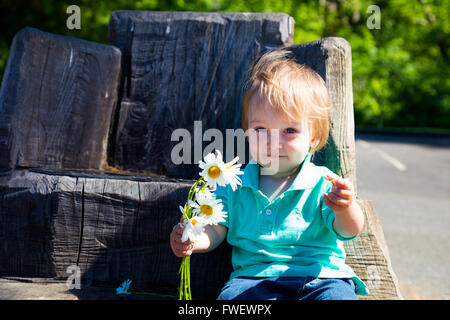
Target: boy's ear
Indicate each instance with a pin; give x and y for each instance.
(315, 142)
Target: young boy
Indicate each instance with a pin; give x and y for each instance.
(287, 220)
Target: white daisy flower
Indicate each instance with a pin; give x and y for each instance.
(193, 229)
(216, 172)
(231, 171)
(203, 194)
(209, 209)
(183, 218)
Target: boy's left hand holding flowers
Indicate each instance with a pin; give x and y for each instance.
(202, 209)
(349, 218)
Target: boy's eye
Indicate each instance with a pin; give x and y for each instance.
(290, 130)
(260, 129)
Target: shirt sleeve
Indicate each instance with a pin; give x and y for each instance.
(221, 194)
(328, 214)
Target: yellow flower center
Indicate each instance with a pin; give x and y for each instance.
(206, 209)
(194, 222)
(214, 172)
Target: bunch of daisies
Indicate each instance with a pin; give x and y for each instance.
(202, 208)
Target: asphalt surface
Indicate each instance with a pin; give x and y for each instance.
(408, 179)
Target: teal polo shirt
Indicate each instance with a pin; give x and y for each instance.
(291, 236)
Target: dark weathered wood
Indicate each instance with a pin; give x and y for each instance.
(181, 67)
(331, 58)
(113, 227)
(56, 101)
(25, 233)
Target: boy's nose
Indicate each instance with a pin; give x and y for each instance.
(273, 146)
(273, 149)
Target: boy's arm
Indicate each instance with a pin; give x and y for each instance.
(350, 221)
(349, 218)
(210, 239)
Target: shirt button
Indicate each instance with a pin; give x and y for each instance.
(268, 212)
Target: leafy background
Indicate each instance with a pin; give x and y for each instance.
(400, 71)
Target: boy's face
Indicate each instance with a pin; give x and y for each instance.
(278, 145)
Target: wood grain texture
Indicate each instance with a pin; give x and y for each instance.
(117, 227)
(113, 227)
(181, 67)
(56, 101)
(368, 256)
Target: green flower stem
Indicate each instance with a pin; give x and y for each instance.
(189, 278)
(191, 195)
(185, 267)
(182, 295)
(185, 282)
(192, 190)
(186, 276)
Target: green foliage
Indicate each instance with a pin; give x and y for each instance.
(400, 71)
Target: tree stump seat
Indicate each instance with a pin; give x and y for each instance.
(86, 177)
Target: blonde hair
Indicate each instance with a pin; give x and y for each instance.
(293, 90)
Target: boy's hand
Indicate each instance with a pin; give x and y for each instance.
(341, 196)
(180, 249)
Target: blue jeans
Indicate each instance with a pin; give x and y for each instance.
(288, 288)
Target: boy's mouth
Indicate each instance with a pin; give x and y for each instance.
(269, 156)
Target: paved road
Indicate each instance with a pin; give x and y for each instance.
(408, 179)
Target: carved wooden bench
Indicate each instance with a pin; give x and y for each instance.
(86, 176)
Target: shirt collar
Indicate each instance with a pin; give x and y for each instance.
(305, 179)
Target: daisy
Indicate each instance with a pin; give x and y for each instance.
(204, 193)
(193, 229)
(231, 171)
(184, 214)
(216, 172)
(210, 209)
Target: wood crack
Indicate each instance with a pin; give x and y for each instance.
(80, 241)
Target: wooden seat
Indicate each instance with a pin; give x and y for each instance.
(112, 215)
